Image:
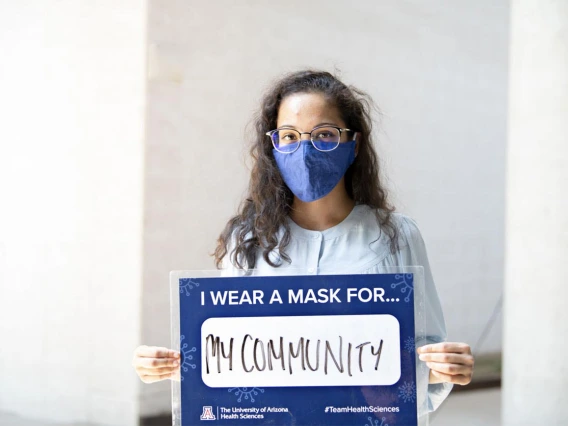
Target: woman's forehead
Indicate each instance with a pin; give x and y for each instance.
(307, 110)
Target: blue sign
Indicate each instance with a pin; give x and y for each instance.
(298, 350)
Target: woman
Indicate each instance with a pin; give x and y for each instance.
(316, 202)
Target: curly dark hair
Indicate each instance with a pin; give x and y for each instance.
(265, 210)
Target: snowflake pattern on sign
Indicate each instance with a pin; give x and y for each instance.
(186, 284)
(409, 345)
(186, 355)
(247, 393)
(404, 285)
(407, 392)
(375, 422)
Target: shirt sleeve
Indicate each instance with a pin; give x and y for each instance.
(413, 252)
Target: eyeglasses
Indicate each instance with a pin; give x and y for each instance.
(324, 138)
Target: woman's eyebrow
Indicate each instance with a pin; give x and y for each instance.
(317, 125)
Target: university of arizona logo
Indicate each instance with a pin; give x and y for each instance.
(207, 413)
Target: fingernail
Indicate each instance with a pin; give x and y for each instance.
(421, 357)
(176, 363)
(176, 355)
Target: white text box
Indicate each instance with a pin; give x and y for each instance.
(335, 350)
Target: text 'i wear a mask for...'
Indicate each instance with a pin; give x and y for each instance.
(312, 174)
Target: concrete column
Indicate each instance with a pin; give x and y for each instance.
(536, 285)
(72, 98)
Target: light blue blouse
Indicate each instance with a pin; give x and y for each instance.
(354, 246)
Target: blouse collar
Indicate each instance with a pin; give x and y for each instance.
(353, 218)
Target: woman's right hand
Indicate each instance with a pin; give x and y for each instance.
(153, 363)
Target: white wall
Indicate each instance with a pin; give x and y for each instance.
(536, 318)
(72, 83)
(437, 71)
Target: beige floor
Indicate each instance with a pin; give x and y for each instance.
(7, 419)
(474, 408)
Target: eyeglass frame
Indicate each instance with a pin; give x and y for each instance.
(270, 133)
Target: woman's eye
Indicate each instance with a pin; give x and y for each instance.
(288, 137)
(323, 135)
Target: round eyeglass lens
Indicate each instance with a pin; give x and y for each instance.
(326, 138)
(286, 140)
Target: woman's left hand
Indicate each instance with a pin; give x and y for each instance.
(449, 362)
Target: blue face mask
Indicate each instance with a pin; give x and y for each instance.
(311, 174)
